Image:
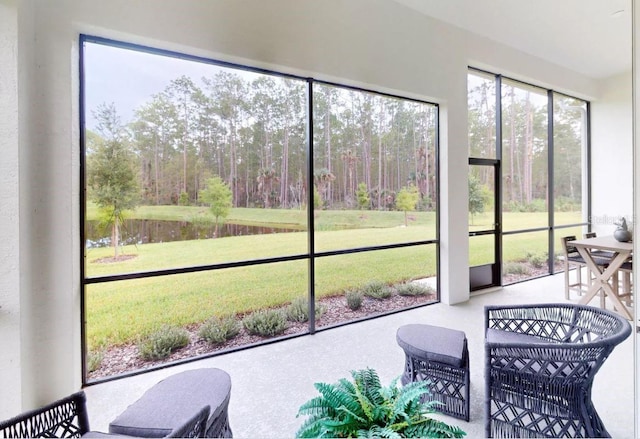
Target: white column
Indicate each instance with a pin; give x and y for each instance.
(49, 242)
(636, 182)
(454, 188)
(10, 343)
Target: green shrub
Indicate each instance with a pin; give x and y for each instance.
(202, 221)
(516, 268)
(160, 344)
(413, 289)
(377, 290)
(217, 330)
(512, 206)
(298, 310)
(537, 260)
(566, 204)
(265, 322)
(536, 205)
(354, 299)
(363, 408)
(183, 200)
(94, 360)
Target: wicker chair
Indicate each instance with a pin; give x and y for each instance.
(539, 368)
(625, 289)
(572, 259)
(68, 417)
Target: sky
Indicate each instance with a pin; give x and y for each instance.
(129, 78)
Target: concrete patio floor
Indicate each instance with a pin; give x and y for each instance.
(269, 383)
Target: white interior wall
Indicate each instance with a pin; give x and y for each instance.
(636, 193)
(612, 148)
(509, 62)
(371, 43)
(10, 375)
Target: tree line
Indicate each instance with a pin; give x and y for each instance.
(252, 134)
(525, 145)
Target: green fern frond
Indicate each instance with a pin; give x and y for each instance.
(378, 432)
(310, 428)
(337, 396)
(395, 382)
(410, 397)
(364, 408)
(366, 405)
(343, 428)
(346, 386)
(432, 428)
(369, 382)
(318, 406)
(367, 377)
(351, 416)
(429, 407)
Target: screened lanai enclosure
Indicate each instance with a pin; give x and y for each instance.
(528, 177)
(228, 206)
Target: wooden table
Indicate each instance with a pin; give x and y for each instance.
(603, 276)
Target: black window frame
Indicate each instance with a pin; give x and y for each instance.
(551, 228)
(311, 255)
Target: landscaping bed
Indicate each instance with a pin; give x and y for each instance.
(123, 359)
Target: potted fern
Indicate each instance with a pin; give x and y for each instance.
(363, 408)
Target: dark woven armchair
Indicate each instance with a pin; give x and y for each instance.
(540, 364)
(68, 417)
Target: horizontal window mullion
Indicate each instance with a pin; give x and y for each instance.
(199, 268)
(193, 269)
(374, 248)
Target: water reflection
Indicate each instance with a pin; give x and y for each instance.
(149, 231)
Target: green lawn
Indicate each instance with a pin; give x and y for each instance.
(120, 312)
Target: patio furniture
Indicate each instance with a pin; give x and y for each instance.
(625, 270)
(540, 362)
(600, 253)
(573, 259)
(440, 357)
(626, 294)
(161, 408)
(67, 417)
(605, 274)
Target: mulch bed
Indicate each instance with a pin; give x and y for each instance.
(123, 359)
(119, 360)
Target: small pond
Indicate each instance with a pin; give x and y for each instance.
(149, 231)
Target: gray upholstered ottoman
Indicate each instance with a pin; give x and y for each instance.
(441, 357)
(166, 405)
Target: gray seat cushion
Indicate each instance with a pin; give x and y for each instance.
(505, 337)
(174, 400)
(99, 435)
(433, 343)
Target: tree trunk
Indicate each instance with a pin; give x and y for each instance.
(115, 233)
(427, 183)
(157, 171)
(233, 164)
(284, 171)
(512, 147)
(327, 137)
(527, 185)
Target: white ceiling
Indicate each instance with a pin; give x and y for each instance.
(586, 36)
